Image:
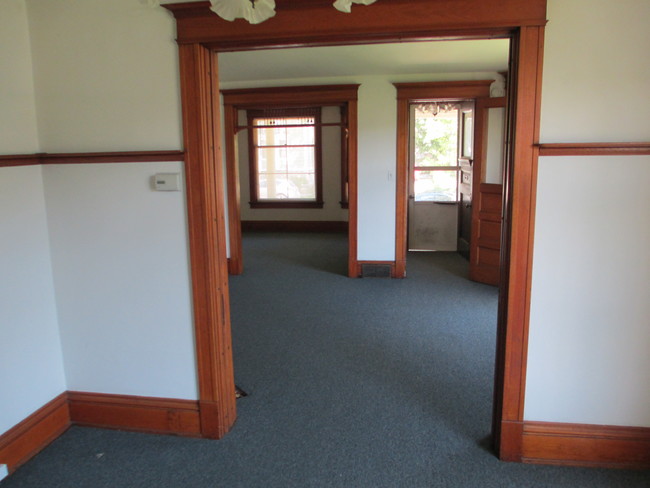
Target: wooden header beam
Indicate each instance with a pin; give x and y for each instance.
(316, 22)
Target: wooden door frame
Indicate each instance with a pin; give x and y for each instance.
(322, 95)
(200, 34)
(407, 94)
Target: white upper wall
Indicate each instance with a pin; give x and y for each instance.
(120, 260)
(17, 109)
(589, 337)
(106, 76)
(31, 364)
(588, 358)
(596, 71)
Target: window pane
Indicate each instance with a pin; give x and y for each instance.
(435, 186)
(272, 136)
(436, 135)
(277, 186)
(300, 159)
(299, 136)
(305, 183)
(272, 160)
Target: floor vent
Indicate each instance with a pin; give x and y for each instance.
(375, 270)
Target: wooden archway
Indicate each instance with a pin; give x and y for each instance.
(201, 35)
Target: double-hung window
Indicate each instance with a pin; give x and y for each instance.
(285, 158)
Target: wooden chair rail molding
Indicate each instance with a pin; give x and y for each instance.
(595, 149)
(89, 158)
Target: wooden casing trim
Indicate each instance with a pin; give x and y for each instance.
(315, 22)
(408, 93)
(294, 96)
(206, 221)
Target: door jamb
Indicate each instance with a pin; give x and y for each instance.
(241, 99)
(408, 93)
(201, 32)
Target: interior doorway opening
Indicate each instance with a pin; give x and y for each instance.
(201, 35)
(433, 176)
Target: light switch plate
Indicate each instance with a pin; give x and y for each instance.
(167, 182)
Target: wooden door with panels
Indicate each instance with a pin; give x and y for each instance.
(466, 158)
(487, 186)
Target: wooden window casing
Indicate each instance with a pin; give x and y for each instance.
(284, 113)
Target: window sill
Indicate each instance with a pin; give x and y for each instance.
(286, 204)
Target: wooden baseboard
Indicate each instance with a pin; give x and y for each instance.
(293, 226)
(599, 446)
(135, 413)
(22, 442)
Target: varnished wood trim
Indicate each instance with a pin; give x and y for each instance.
(314, 22)
(19, 160)
(293, 226)
(599, 446)
(90, 158)
(235, 262)
(494, 102)
(511, 436)
(112, 157)
(353, 190)
(517, 237)
(402, 186)
(414, 92)
(300, 22)
(206, 219)
(596, 149)
(23, 441)
(136, 413)
(290, 96)
(408, 93)
(316, 95)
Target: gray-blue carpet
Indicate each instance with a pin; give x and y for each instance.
(351, 383)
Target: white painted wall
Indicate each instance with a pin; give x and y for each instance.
(588, 359)
(589, 335)
(17, 109)
(31, 364)
(595, 81)
(106, 75)
(331, 154)
(120, 260)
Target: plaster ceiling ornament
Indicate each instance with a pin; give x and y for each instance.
(254, 11)
(346, 5)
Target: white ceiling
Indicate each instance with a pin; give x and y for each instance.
(375, 59)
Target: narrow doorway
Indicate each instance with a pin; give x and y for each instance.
(435, 150)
